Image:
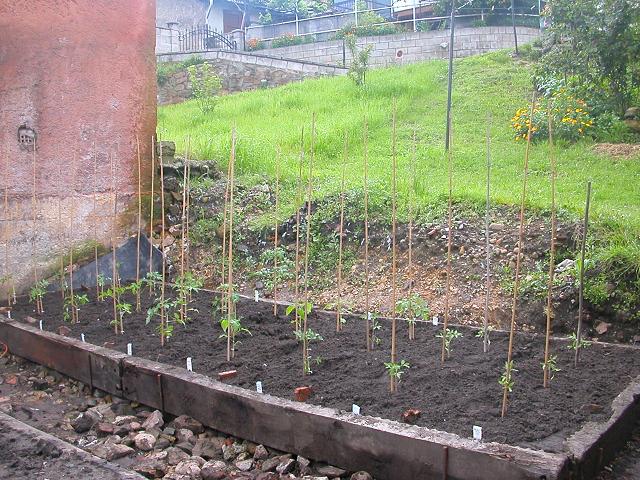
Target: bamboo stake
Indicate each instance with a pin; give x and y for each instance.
(230, 309)
(139, 231)
(366, 235)
(114, 273)
(412, 199)
(394, 293)
(552, 253)
(163, 320)
(152, 205)
(74, 313)
(186, 227)
(516, 284)
(7, 221)
(34, 205)
(298, 208)
(305, 342)
(60, 235)
(275, 239)
(182, 226)
(224, 218)
(583, 249)
(339, 306)
(95, 216)
(485, 324)
(447, 298)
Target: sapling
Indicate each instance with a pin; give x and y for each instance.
(483, 333)
(123, 308)
(305, 320)
(448, 336)
(162, 308)
(550, 366)
(412, 308)
(375, 328)
(506, 379)
(152, 280)
(306, 338)
(298, 207)
(37, 293)
(575, 344)
(396, 369)
(101, 281)
(184, 287)
(232, 325)
(230, 305)
(71, 307)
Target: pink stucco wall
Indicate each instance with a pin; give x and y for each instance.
(82, 74)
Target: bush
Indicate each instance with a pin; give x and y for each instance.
(290, 39)
(370, 24)
(611, 129)
(164, 70)
(570, 115)
(359, 61)
(254, 44)
(205, 85)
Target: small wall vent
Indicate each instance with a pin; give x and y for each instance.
(26, 138)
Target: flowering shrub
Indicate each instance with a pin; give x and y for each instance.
(571, 118)
(254, 44)
(289, 39)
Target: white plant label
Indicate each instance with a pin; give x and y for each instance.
(355, 409)
(82, 337)
(477, 432)
(256, 295)
(9, 314)
(41, 325)
(259, 386)
(189, 364)
(434, 321)
(369, 315)
(129, 349)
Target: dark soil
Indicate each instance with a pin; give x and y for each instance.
(454, 397)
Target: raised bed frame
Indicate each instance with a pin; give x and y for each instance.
(387, 449)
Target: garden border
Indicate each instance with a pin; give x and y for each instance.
(385, 448)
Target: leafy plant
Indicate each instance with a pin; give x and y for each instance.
(267, 274)
(481, 333)
(233, 324)
(506, 379)
(301, 310)
(310, 336)
(184, 287)
(396, 369)
(574, 344)
(101, 281)
(289, 39)
(72, 304)
(37, 292)
(205, 86)
(375, 328)
(551, 366)
(152, 280)
(449, 335)
(360, 58)
(412, 308)
(123, 308)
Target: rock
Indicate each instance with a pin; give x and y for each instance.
(215, 470)
(270, 464)
(303, 465)
(592, 408)
(185, 447)
(103, 429)
(411, 415)
(150, 468)
(188, 467)
(154, 420)
(110, 451)
(602, 327)
(83, 423)
(286, 466)
(566, 264)
(175, 456)
(244, 465)
(188, 423)
(261, 453)
(169, 431)
(228, 453)
(64, 331)
(123, 419)
(361, 476)
(239, 448)
(144, 441)
(184, 435)
(268, 476)
(330, 471)
(162, 442)
(208, 448)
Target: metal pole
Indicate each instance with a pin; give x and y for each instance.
(513, 22)
(450, 81)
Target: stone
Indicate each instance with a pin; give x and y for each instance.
(150, 468)
(83, 423)
(214, 470)
(330, 471)
(154, 420)
(261, 453)
(270, 464)
(64, 331)
(602, 327)
(268, 476)
(188, 423)
(144, 441)
(184, 435)
(110, 451)
(208, 448)
(361, 476)
(244, 465)
(185, 447)
(176, 455)
(592, 408)
(162, 442)
(123, 419)
(286, 466)
(566, 264)
(103, 429)
(411, 415)
(188, 467)
(228, 453)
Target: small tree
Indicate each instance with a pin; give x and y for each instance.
(360, 58)
(205, 86)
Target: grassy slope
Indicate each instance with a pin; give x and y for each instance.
(492, 83)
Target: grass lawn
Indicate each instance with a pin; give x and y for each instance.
(493, 84)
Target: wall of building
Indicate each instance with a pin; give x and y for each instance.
(186, 13)
(82, 75)
(241, 71)
(410, 47)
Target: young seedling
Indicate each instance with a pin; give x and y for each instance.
(483, 333)
(37, 293)
(307, 337)
(575, 344)
(184, 287)
(101, 281)
(162, 308)
(506, 379)
(448, 336)
(123, 308)
(550, 366)
(232, 324)
(375, 328)
(72, 307)
(412, 308)
(396, 369)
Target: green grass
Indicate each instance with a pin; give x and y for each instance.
(270, 120)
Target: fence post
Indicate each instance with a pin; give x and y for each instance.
(415, 29)
(355, 11)
(344, 55)
(297, 24)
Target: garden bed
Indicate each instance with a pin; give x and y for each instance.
(452, 398)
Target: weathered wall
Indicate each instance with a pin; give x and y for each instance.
(82, 75)
(242, 71)
(411, 47)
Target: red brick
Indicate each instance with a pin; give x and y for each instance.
(229, 374)
(302, 394)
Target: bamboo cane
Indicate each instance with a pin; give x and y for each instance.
(305, 342)
(341, 244)
(298, 208)
(60, 235)
(552, 253)
(182, 223)
(230, 306)
(186, 227)
(7, 221)
(516, 283)
(163, 314)
(394, 293)
(114, 273)
(412, 199)
(447, 298)
(72, 298)
(275, 239)
(152, 208)
(583, 249)
(366, 236)
(224, 220)
(139, 231)
(95, 217)
(34, 205)
(485, 324)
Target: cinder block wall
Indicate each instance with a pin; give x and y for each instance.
(81, 75)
